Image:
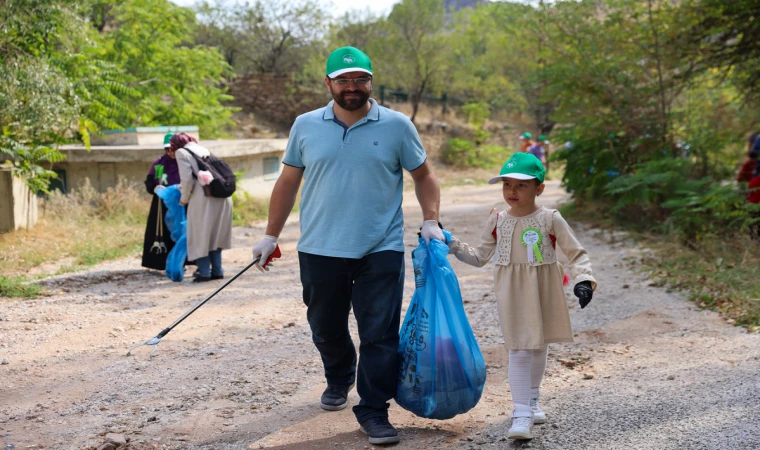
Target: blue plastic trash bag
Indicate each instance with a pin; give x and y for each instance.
(176, 221)
(441, 368)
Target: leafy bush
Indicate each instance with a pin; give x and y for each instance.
(591, 160)
(662, 196)
(477, 114)
(464, 153)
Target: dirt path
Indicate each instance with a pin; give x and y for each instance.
(647, 371)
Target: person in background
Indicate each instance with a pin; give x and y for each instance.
(749, 168)
(754, 197)
(157, 243)
(209, 219)
(753, 187)
(525, 140)
(537, 149)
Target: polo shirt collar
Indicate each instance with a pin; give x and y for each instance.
(373, 114)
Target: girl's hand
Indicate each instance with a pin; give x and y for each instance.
(584, 292)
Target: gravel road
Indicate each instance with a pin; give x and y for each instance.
(648, 369)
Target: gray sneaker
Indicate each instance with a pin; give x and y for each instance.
(379, 430)
(335, 398)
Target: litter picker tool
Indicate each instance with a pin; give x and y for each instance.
(155, 340)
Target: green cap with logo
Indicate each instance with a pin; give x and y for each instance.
(526, 135)
(521, 166)
(347, 59)
(167, 140)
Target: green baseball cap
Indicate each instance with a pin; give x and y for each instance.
(521, 166)
(526, 135)
(167, 140)
(347, 59)
(542, 138)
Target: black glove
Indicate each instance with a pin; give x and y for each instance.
(584, 292)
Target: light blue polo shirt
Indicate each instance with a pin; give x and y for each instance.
(351, 197)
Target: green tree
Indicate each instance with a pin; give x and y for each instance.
(614, 70)
(47, 90)
(411, 54)
(266, 36)
(357, 28)
(728, 36)
(489, 67)
(179, 83)
(69, 68)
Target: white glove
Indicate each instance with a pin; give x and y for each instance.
(431, 230)
(264, 248)
(158, 188)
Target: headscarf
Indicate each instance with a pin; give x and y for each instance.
(180, 140)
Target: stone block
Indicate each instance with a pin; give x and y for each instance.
(18, 205)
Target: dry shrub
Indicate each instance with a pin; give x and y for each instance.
(82, 227)
(123, 202)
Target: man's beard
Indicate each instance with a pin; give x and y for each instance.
(353, 103)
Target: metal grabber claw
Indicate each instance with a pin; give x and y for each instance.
(154, 341)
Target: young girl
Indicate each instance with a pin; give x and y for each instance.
(528, 281)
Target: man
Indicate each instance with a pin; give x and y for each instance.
(351, 250)
(525, 140)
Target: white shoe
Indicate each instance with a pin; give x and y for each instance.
(539, 416)
(522, 428)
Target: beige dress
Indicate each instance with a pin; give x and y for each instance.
(209, 219)
(530, 297)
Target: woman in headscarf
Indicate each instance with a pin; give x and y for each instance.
(158, 243)
(209, 219)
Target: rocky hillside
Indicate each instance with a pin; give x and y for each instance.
(456, 5)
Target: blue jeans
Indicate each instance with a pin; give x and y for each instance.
(374, 286)
(214, 259)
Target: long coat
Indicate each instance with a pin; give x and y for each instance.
(209, 219)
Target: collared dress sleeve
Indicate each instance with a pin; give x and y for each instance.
(579, 262)
(480, 255)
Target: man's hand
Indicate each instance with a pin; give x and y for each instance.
(159, 187)
(264, 249)
(584, 292)
(431, 230)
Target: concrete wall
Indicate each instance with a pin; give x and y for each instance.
(104, 164)
(140, 135)
(18, 206)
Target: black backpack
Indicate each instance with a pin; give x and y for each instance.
(223, 184)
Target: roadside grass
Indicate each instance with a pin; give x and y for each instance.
(247, 209)
(17, 286)
(719, 274)
(75, 231)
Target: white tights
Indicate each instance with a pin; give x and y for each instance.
(525, 372)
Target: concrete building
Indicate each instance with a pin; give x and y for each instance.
(129, 153)
(18, 206)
